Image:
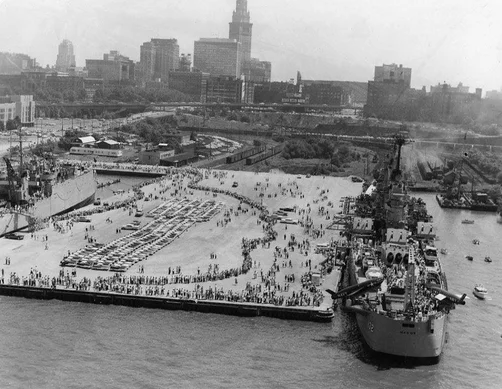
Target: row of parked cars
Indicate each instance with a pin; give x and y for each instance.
(282, 216)
(170, 220)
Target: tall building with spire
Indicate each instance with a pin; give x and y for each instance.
(66, 58)
(241, 29)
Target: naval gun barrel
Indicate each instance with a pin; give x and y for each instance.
(355, 290)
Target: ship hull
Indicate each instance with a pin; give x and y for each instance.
(424, 339)
(67, 196)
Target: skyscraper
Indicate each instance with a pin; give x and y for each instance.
(241, 29)
(147, 61)
(219, 57)
(66, 58)
(158, 57)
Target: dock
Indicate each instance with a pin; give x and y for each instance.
(123, 169)
(316, 314)
(129, 172)
(199, 244)
(466, 203)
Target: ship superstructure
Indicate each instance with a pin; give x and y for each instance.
(393, 280)
(40, 188)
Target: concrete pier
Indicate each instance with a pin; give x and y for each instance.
(129, 172)
(188, 250)
(204, 306)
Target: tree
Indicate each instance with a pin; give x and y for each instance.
(69, 95)
(335, 160)
(344, 154)
(82, 94)
(99, 96)
(232, 116)
(11, 125)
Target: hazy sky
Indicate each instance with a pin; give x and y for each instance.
(441, 40)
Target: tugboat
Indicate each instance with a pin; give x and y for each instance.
(392, 280)
(480, 292)
(467, 221)
(469, 257)
(488, 259)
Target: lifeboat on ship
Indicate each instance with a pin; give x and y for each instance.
(373, 272)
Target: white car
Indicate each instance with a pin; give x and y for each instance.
(288, 220)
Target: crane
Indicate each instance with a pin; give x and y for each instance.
(12, 177)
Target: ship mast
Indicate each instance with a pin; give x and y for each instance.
(399, 142)
(20, 153)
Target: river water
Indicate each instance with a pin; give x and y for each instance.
(53, 344)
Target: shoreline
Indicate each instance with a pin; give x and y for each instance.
(243, 309)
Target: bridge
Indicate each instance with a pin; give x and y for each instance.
(96, 107)
(254, 107)
(167, 106)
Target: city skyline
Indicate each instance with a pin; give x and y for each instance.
(451, 41)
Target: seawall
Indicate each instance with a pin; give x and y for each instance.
(125, 172)
(205, 306)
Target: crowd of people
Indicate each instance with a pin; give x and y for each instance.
(142, 285)
(269, 290)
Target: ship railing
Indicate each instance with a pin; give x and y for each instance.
(22, 211)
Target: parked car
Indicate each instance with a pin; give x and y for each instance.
(289, 221)
(14, 236)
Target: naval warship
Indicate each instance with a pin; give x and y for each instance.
(392, 279)
(39, 189)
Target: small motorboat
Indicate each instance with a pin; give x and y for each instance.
(469, 257)
(488, 259)
(467, 221)
(443, 251)
(475, 241)
(480, 291)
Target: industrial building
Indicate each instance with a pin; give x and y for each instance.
(113, 67)
(21, 106)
